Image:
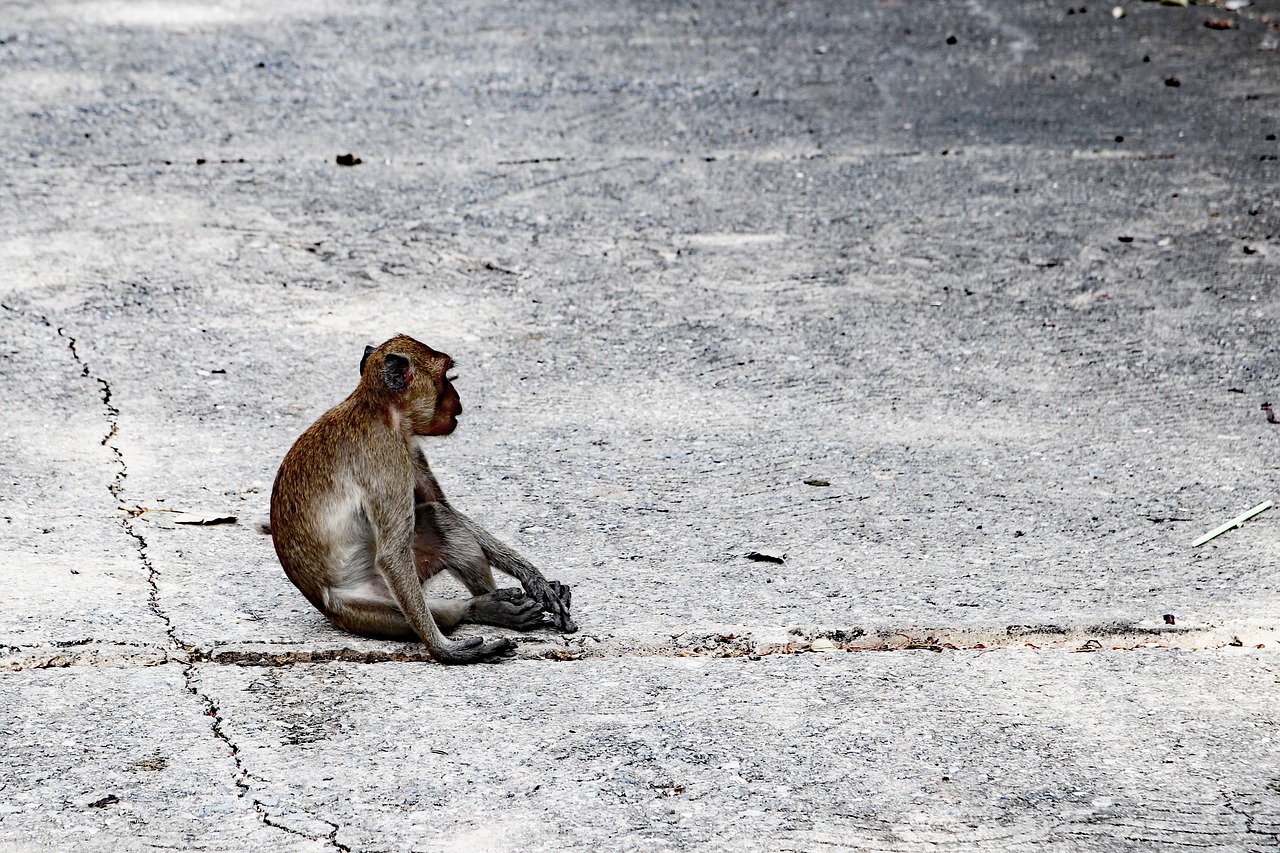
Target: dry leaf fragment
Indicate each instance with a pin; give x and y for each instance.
(206, 520)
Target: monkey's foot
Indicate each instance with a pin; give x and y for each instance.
(473, 650)
(506, 608)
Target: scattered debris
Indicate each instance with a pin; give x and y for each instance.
(1271, 415)
(822, 644)
(1219, 24)
(254, 657)
(102, 802)
(1168, 619)
(1233, 523)
(817, 481)
(685, 645)
(1172, 81)
(565, 654)
(1117, 12)
(1235, 5)
(767, 556)
(1126, 239)
(1249, 250)
(349, 160)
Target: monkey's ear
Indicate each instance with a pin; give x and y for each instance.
(397, 372)
(368, 349)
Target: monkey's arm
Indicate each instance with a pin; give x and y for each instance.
(392, 521)
(553, 596)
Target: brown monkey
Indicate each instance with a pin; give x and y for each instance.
(360, 523)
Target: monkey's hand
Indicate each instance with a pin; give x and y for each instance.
(552, 596)
(473, 650)
(565, 596)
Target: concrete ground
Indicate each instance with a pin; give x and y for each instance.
(963, 310)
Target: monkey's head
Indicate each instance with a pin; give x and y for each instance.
(413, 380)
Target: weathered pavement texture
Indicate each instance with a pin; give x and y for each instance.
(968, 309)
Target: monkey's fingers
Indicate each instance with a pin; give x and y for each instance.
(473, 650)
(562, 592)
(552, 601)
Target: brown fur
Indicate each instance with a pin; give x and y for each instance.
(360, 523)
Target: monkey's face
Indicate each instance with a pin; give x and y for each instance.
(444, 418)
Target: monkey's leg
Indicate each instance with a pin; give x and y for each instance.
(441, 542)
(553, 596)
(369, 613)
(375, 614)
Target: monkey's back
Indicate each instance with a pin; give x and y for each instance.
(317, 520)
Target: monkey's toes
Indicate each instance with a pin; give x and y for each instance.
(474, 650)
(523, 615)
(508, 608)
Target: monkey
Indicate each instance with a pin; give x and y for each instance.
(360, 523)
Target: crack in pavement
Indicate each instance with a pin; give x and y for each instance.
(190, 674)
(1250, 820)
(243, 775)
(116, 487)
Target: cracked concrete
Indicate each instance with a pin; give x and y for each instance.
(965, 308)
